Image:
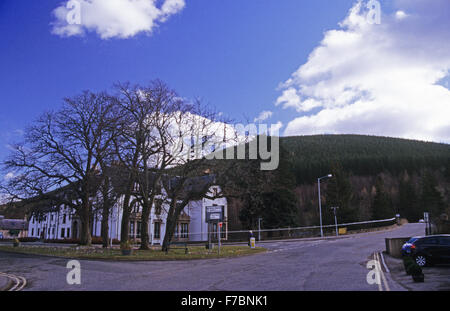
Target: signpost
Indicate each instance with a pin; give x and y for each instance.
(214, 214)
(220, 227)
(426, 218)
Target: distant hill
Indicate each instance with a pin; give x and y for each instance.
(312, 156)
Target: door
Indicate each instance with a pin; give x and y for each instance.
(430, 247)
(444, 244)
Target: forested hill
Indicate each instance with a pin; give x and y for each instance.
(312, 156)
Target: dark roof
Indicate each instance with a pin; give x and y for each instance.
(13, 224)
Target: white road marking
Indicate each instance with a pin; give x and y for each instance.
(383, 277)
(20, 282)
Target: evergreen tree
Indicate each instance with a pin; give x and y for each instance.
(431, 199)
(339, 193)
(268, 194)
(409, 206)
(382, 203)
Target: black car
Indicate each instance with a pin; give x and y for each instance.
(428, 250)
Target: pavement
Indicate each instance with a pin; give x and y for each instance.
(437, 278)
(294, 265)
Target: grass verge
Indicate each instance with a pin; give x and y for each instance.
(155, 254)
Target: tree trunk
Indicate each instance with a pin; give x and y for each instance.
(171, 222)
(125, 228)
(85, 236)
(144, 227)
(105, 225)
(105, 213)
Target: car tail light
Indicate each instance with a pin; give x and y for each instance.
(413, 246)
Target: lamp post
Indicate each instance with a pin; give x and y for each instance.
(320, 201)
(335, 219)
(259, 228)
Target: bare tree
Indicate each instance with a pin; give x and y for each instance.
(149, 112)
(197, 132)
(60, 156)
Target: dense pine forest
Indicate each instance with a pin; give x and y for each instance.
(373, 178)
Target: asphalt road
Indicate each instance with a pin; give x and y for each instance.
(338, 264)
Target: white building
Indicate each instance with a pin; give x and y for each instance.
(63, 223)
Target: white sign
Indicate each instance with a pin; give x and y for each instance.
(214, 209)
(215, 216)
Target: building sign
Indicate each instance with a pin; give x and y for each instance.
(214, 213)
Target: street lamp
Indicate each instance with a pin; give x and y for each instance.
(320, 201)
(335, 218)
(259, 228)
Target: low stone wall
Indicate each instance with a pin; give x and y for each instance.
(394, 246)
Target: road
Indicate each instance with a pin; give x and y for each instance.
(338, 264)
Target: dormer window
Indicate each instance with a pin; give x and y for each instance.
(136, 187)
(158, 206)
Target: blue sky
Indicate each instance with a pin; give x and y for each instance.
(235, 55)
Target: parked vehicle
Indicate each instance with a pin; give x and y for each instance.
(428, 250)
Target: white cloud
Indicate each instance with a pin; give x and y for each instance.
(264, 115)
(115, 18)
(9, 176)
(275, 128)
(377, 79)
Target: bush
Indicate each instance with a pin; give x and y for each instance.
(28, 239)
(407, 262)
(99, 240)
(66, 241)
(414, 269)
(95, 240)
(127, 245)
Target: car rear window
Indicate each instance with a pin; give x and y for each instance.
(412, 240)
(427, 241)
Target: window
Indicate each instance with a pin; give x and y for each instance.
(132, 228)
(138, 229)
(63, 231)
(158, 206)
(136, 187)
(32, 231)
(430, 241)
(64, 219)
(157, 230)
(53, 231)
(68, 232)
(184, 230)
(444, 241)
